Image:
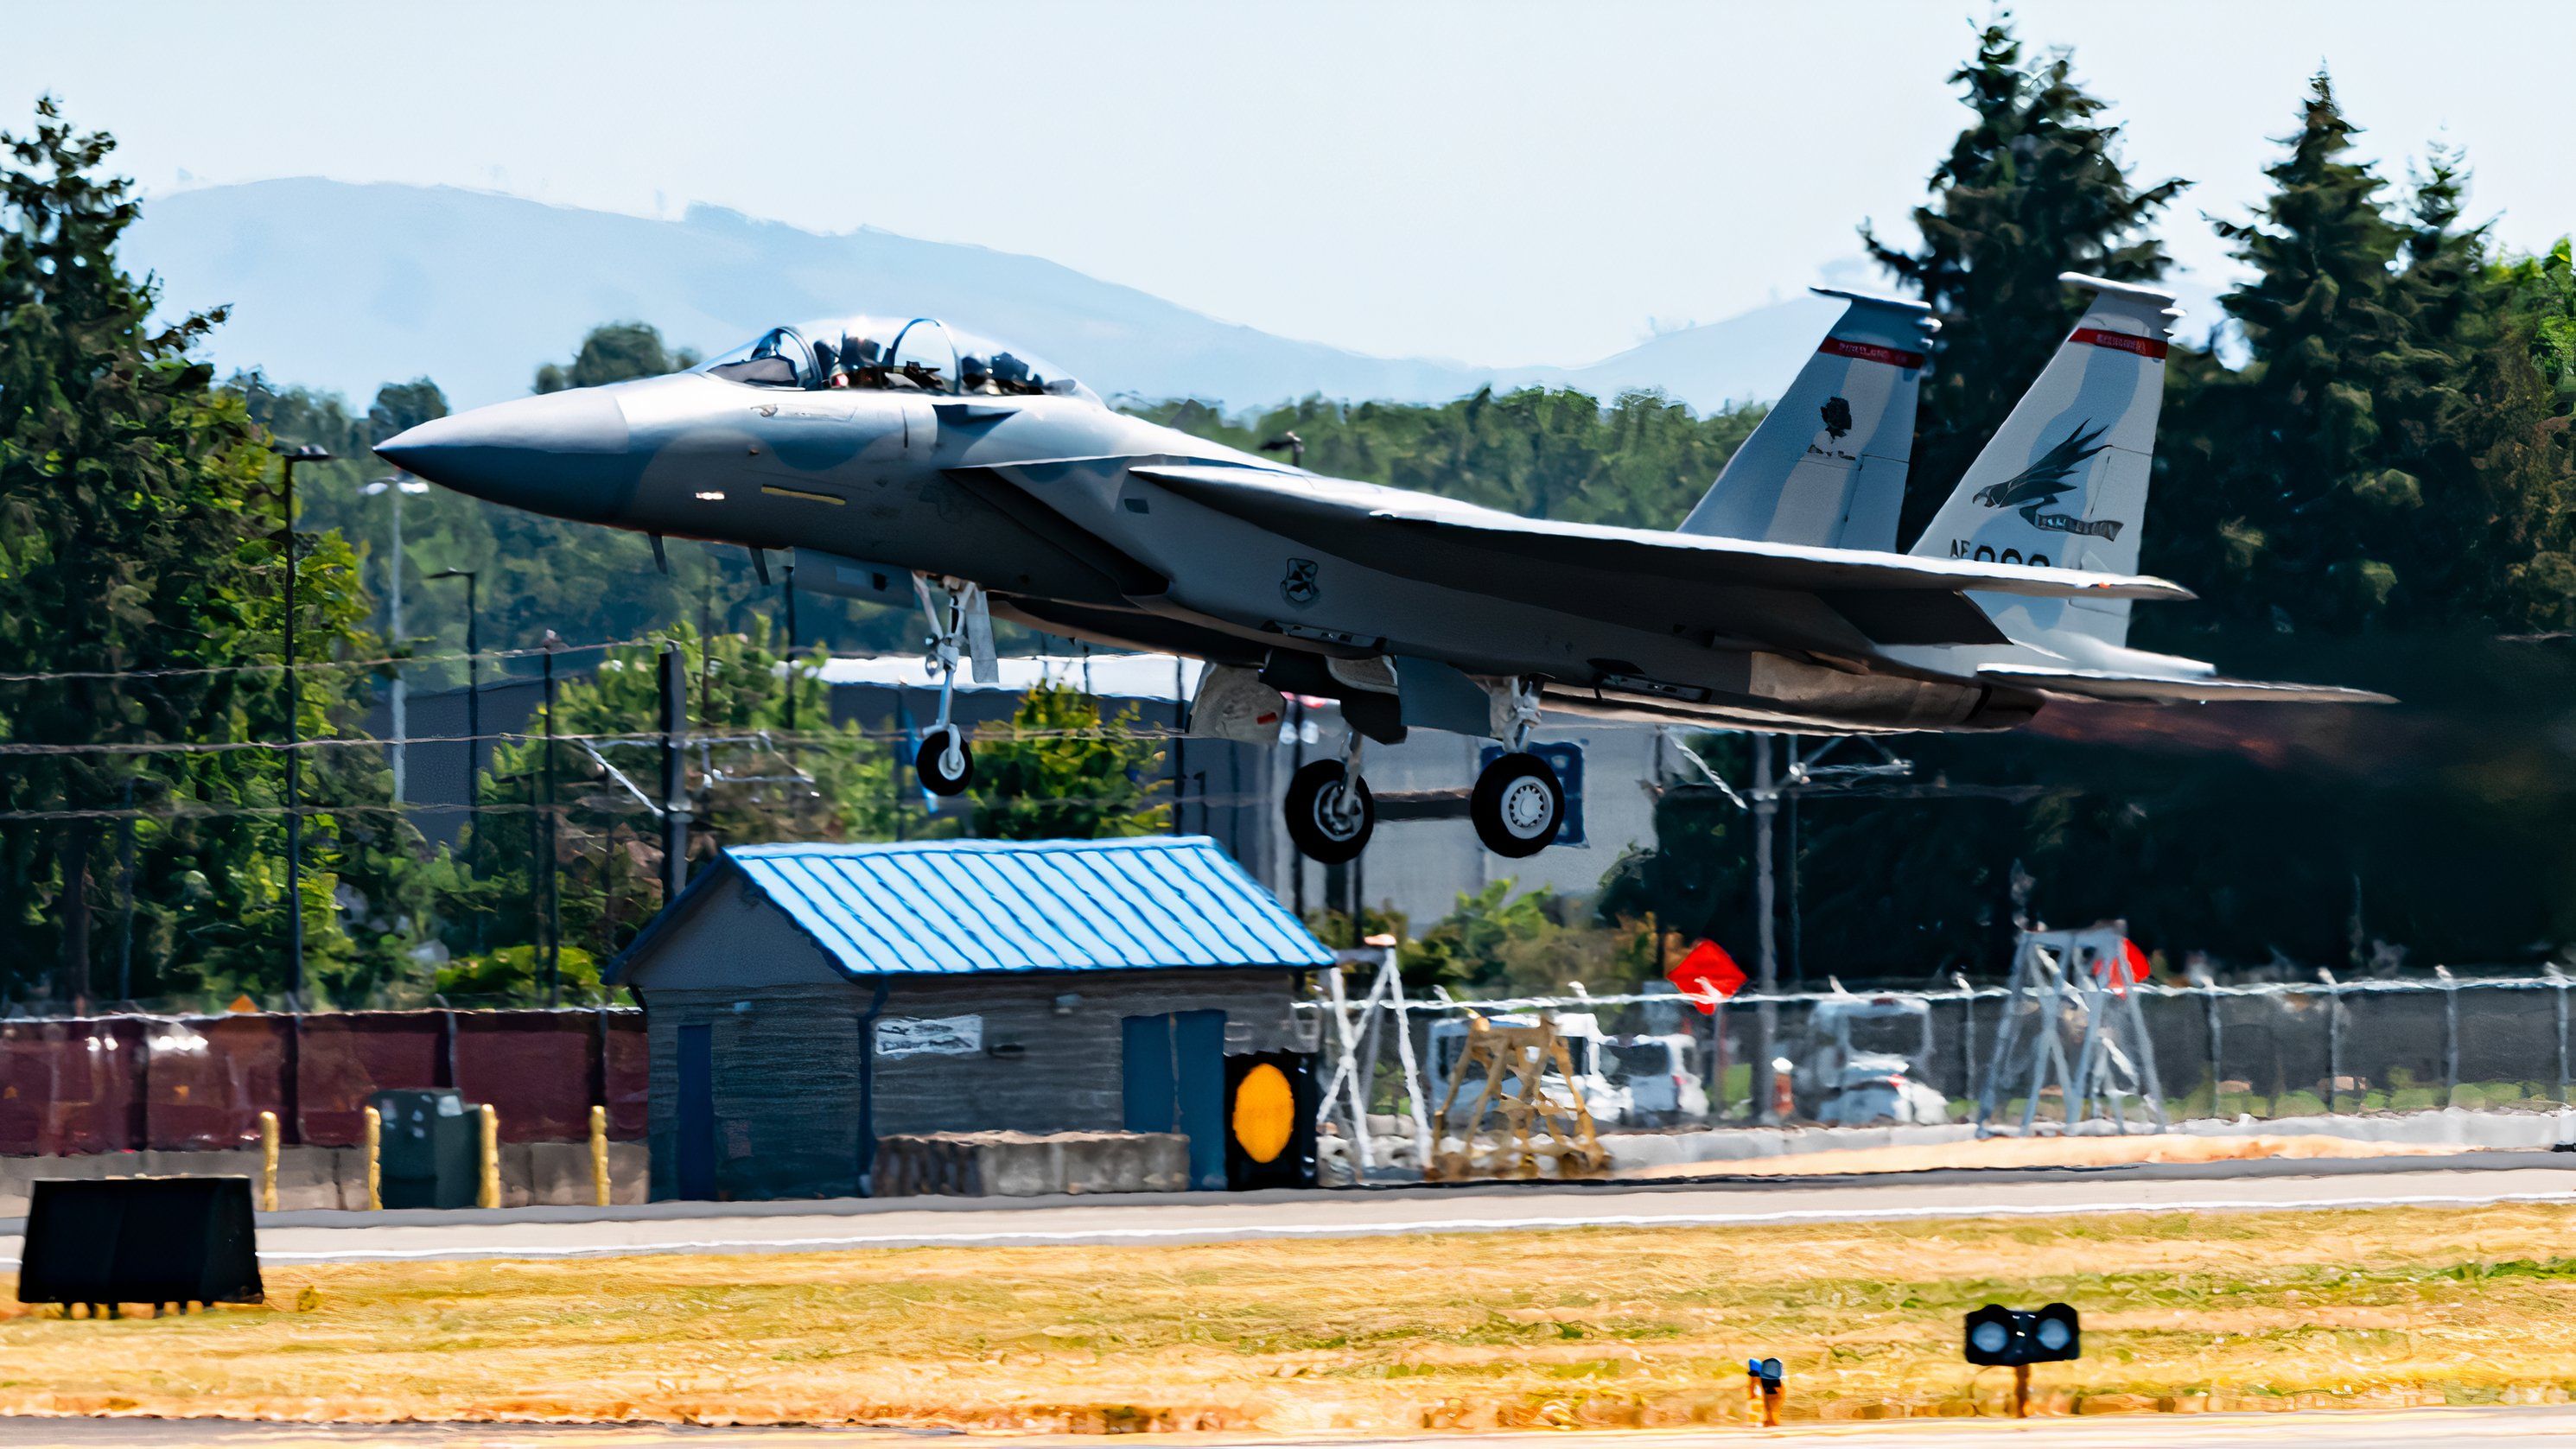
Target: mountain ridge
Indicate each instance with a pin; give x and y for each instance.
(343, 286)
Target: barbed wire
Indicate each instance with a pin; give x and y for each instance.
(303, 665)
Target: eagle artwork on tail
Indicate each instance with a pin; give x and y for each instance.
(2045, 481)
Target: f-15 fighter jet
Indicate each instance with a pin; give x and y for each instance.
(904, 461)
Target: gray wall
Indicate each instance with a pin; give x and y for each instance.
(786, 1060)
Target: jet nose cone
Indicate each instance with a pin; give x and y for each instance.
(567, 454)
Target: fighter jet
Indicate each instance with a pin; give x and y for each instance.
(907, 462)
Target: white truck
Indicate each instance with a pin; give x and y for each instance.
(1586, 1049)
(1862, 1061)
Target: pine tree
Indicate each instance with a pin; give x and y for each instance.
(2034, 186)
(2382, 458)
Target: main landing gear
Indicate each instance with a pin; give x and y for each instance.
(1519, 804)
(943, 759)
(1330, 813)
(1517, 807)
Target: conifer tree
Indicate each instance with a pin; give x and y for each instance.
(140, 530)
(2034, 186)
(2382, 456)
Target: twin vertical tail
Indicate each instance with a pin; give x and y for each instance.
(2064, 481)
(1826, 466)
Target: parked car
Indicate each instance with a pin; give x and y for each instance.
(1863, 1060)
(1661, 1075)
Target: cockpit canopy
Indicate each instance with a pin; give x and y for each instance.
(919, 355)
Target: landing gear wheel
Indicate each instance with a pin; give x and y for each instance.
(1518, 806)
(943, 760)
(1330, 824)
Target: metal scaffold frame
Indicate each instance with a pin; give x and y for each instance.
(2075, 981)
(1358, 1031)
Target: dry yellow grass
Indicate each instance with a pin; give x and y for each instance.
(1592, 1327)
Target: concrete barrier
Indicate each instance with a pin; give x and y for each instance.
(336, 1177)
(2450, 1126)
(1030, 1164)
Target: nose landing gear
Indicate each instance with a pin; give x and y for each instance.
(943, 760)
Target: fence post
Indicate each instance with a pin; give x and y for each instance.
(488, 1193)
(2558, 979)
(268, 1162)
(375, 1159)
(2450, 1035)
(2217, 1047)
(2334, 1039)
(599, 1154)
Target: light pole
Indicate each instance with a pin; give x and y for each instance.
(393, 489)
(473, 727)
(309, 453)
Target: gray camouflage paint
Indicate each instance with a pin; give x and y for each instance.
(1089, 523)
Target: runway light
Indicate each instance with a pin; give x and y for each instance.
(2000, 1336)
(710, 495)
(1762, 1391)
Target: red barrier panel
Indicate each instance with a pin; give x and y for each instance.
(630, 1072)
(207, 1079)
(534, 1072)
(67, 1086)
(121, 1083)
(344, 1058)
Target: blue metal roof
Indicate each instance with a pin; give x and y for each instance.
(955, 906)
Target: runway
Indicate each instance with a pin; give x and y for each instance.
(2461, 1181)
(2374, 1429)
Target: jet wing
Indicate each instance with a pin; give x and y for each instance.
(2156, 689)
(1484, 549)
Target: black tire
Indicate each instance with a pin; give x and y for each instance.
(1322, 830)
(1518, 807)
(926, 763)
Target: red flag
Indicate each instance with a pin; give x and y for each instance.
(2129, 968)
(2135, 959)
(1706, 971)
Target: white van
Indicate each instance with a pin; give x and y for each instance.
(1661, 1076)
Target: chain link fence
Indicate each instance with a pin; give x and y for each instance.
(2264, 1050)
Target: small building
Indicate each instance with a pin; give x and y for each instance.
(802, 1001)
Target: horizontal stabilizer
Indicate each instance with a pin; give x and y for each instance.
(2159, 689)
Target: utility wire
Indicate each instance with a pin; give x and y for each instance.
(998, 734)
(195, 671)
(805, 801)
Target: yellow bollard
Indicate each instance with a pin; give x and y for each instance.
(490, 1194)
(268, 1162)
(375, 1159)
(599, 1154)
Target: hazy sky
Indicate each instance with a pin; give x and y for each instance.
(1493, 182)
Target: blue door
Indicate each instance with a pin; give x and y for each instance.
(1172, 1079)
(695, 1152)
